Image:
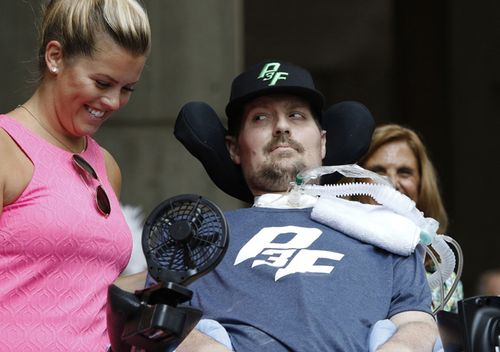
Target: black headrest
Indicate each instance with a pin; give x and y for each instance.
(349, 126)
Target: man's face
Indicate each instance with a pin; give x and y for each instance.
(278, 138)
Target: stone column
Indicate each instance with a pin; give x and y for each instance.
(196, 52)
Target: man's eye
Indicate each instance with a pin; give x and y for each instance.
(296, 115)
(128, 89)
(259, 117)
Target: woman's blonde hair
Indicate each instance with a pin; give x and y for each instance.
(429, 198)
(77, 23)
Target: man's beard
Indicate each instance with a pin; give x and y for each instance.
(276, 175)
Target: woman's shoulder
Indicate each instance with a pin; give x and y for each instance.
(7, 146)
(15, 169)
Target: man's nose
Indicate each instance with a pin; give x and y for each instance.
(282, 125)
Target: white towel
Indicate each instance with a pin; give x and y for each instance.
(374, 224)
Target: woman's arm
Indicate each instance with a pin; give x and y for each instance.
(113, 171)
(132, 283)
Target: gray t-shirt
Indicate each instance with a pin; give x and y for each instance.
(288, 283)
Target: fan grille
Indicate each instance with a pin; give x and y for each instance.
(168, 253)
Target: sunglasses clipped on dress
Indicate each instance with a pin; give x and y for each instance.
(101, 198)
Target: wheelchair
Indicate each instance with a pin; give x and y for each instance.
(157, 319)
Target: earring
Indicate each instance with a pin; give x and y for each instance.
(53, 70)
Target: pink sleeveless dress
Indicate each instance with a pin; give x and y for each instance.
(58, 254)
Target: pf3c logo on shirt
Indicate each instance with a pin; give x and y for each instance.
(290, 257)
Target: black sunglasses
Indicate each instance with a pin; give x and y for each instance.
(101, 198)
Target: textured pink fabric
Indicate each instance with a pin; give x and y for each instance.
(58, 254)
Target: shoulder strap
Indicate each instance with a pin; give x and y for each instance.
(29, 142)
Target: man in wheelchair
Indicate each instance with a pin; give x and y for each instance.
(287, 282)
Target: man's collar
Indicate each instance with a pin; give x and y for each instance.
(280, 201)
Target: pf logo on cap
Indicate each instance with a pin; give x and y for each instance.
(270, 72)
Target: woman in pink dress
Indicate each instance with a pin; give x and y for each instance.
(63, 237)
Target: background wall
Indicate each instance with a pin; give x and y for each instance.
(431, 65)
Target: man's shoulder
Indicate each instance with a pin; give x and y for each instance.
(264, 211)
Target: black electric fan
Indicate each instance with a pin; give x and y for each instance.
(183, 238)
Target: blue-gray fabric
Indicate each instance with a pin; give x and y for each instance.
(271, 296)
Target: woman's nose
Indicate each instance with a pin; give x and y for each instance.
(111, 101)
(395, 181)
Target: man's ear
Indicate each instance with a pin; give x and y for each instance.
(54, 56)
(323, 144)
(232, 147)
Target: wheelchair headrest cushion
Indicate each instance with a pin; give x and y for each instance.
(349, 126)
(268, 78)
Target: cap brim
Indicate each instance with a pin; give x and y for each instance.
(314, 97)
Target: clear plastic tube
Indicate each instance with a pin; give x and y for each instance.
(382, 193)
(350, 170)
(442, 301)
(459, 267)
(447, 259)
(438, 275)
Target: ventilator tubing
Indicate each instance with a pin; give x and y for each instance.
(384, 193)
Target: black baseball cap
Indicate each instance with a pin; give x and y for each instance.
(271, 77)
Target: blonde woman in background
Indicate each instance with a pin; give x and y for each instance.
(63, 237)
(398, 153)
